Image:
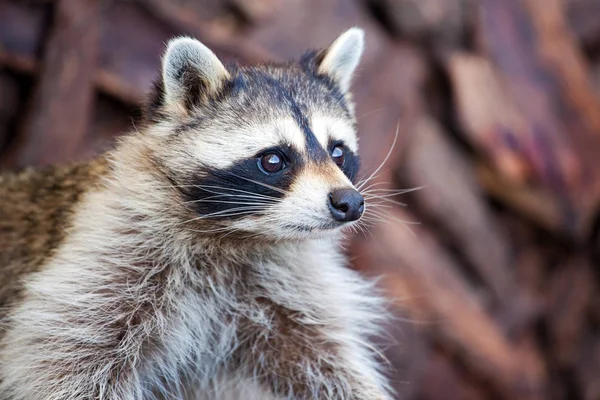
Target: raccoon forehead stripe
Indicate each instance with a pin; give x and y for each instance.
(314, 150)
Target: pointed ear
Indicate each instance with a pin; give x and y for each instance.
(191, 73)
(341, 58)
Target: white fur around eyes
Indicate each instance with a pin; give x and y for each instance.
(328, 128)
(222, 149)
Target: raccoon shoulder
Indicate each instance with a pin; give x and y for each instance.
(35, 213)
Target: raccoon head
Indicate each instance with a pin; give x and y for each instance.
(270, 150)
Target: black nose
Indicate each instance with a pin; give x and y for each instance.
(346, 205)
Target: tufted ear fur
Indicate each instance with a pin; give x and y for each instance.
(341, 58)
(190, 73)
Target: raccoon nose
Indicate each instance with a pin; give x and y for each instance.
(346, 205)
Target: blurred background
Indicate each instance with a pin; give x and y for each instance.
(497, 105)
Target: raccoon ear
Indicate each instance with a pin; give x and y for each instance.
(341, 58)
(190, 73)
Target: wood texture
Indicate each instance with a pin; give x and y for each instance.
(61, 105)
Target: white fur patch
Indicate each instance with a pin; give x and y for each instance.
(328, 128)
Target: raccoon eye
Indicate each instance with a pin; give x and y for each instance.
(271, 162)
(337, 154)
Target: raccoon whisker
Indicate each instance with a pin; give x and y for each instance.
(372, 185)
(379, 217)
(377, 220)
(377, 205)
(233, 190)
(361, 180)
(235, 200)
(260, 183)
(385, 218)
(368, 224)
(369, 200)
(375, 201)
(227, 213)
(371, 112)
(168, 186)
(211, 187)
(386, 197)
(360, 188)
(236, 230)
(354, 230)
(223, 228)
(380, 208)
(368, 176)
(366, 227)
(392, 191)
(242, 196)
(245, 203)
(244, 200)
(217, 230)
(367, 219)
(372, 216)
(357, 228)
(384, 160)
(233, 212)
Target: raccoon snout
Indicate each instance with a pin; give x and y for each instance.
(346, 205)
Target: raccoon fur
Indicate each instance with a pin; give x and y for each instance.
(200, 258)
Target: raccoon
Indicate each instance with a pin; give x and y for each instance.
(200, 258)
